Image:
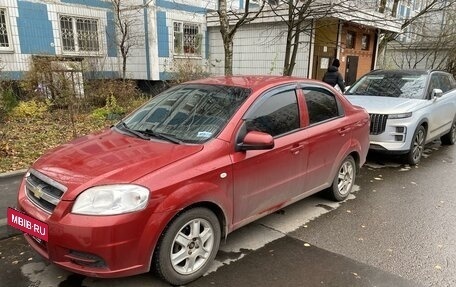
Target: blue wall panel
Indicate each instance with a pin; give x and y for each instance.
(35, 30)
(12, 75)
(162, 35)
(91, 3)
(146, 40)
(111, 35)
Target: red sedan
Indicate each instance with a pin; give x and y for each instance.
(161, 188)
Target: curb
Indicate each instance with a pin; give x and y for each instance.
(12, 173)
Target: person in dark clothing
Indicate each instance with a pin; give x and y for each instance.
(333, 77)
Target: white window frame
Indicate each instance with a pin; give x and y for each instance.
(77, 46)
(182, 52)
(9, 35)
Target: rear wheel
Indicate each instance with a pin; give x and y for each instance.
(450, 137)
(417, 147)
(188, 246)
(344, 180)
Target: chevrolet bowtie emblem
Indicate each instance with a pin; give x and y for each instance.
(37, 191)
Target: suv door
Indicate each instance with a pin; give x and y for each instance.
(267, 179)
(442, 109)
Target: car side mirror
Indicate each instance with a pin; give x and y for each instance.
(255, 140)
(436, 93)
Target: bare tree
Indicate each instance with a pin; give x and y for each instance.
(128, 32)
(297, 12)
(432, 48)
(429, 8)
(229, 28)
(297, 15)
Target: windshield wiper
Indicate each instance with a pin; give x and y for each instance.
(169, 138)
(124, 127)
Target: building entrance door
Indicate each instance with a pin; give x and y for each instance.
(351, 69)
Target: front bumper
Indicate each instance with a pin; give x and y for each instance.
(396, 138)
(96, 246)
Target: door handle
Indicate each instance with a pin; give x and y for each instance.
(343, 131)
(297, 149)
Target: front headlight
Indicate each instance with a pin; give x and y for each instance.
(400, 116)
(111, 199)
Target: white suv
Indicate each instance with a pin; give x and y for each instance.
(407, 108)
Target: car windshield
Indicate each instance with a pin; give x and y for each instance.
(395, 85)
(190, 113)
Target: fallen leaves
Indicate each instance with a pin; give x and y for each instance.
(22, 141)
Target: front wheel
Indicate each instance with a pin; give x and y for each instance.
(188, 246)
(450, 137)
(344, 180)
(415, 153)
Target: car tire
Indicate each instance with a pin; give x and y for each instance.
(343, 181)
(450, 137)
(415, 153)
(187, 246)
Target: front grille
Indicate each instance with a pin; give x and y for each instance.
(43, 191)
(377, 123)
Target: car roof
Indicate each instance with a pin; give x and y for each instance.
(251, 82)
(399, 72)
(405, 72)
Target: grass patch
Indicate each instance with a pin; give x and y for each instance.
(23, 140)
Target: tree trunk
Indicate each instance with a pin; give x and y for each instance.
(289, 45)
(124, 66)
(227, 36)
(394, 11)
(228, 47)
(294, 53)
(382, 6)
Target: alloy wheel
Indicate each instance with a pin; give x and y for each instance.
(345, 178)
(418, 145)
(192, 246)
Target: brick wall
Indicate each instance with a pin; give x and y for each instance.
(365, 57)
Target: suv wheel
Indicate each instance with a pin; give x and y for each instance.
(417, 147)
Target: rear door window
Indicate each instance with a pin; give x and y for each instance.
(322, 105)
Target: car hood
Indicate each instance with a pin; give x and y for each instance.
(386, 105)
(106, 158)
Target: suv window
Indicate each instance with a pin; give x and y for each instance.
(321, 105)
(445, 82)
(277, 115)
(394, 84)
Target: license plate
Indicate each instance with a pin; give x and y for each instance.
(28, 224)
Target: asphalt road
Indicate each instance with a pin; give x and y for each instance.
(8, 192)
(398, 229)
(403, 219)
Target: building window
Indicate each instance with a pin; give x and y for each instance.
(187, 39)
(350, 40)
(365, 42)
(5, 34)
(79, 34)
